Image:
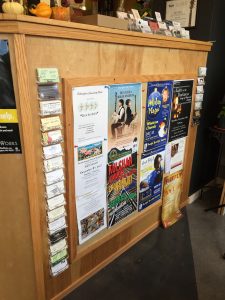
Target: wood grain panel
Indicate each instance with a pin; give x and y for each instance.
(27, 129)
(117, 57)
(60, 29)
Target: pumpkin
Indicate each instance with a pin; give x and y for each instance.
(13, 8)
(41, 10)
(61, 13)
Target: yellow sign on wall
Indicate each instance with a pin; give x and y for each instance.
(8, 116)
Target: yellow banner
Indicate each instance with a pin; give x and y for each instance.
(8, 116)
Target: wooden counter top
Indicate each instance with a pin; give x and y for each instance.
(29, 25)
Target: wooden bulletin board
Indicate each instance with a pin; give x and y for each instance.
(68, 84)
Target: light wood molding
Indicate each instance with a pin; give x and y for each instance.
(70, 30)
(29, 150)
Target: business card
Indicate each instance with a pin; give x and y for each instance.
(51, 137)
(56, 202)
(55, 189)
(56, 213)
(52, 151)
(46, 75)
(59, 246)
(53, 163)
(50, 123)
(50, 107)
(57, 225)
(59, 268)
(48, 92)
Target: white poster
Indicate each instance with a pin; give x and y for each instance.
(90, 188)
(90, 109)
(175, 155)
(182, 11)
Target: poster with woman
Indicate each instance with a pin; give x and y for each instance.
(9, 128)
(158, 107)
(152, 168)
(124, 114)
(181, 109)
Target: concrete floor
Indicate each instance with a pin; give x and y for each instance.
(183, 262)
(207, 232)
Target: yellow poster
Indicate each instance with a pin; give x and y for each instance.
(171, 199)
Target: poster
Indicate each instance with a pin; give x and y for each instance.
(122, 187)
(158, 107)
(171, 199)
(124, 114)
(90, 109)
(181, 109)
(90, 188)
(151, 177)
(182, 11)
(175, 155)
(9, 127)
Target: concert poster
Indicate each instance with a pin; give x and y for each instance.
(157, 121)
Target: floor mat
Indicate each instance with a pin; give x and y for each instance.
(159, 267)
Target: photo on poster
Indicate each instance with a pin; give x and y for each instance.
(171, 199)
(151, 177)
(92, 223)
(90, 109)
(181, 109)
(174, 158)
(90, 188)
(9, 127)
(157, 121)
(122, 188)
(89, 151)
(124, 114)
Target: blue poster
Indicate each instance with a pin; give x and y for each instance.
(158, 109)
(151, 177)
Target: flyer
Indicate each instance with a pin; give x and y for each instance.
(157, 121)
(181, 109)
(124, 114)
(9, 127)
(151, 177)
(171, 199)
(175, 155)
(122, 187)
(90, 188)
(90, 109)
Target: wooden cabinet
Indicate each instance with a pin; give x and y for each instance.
(86, 52)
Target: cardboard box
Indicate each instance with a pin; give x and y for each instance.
(102, 20)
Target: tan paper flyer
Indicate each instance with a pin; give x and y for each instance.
(171, 199)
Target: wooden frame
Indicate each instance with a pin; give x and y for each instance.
(79, 251)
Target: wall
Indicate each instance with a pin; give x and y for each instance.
(210, 26)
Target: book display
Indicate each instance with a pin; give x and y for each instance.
(95, 141)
